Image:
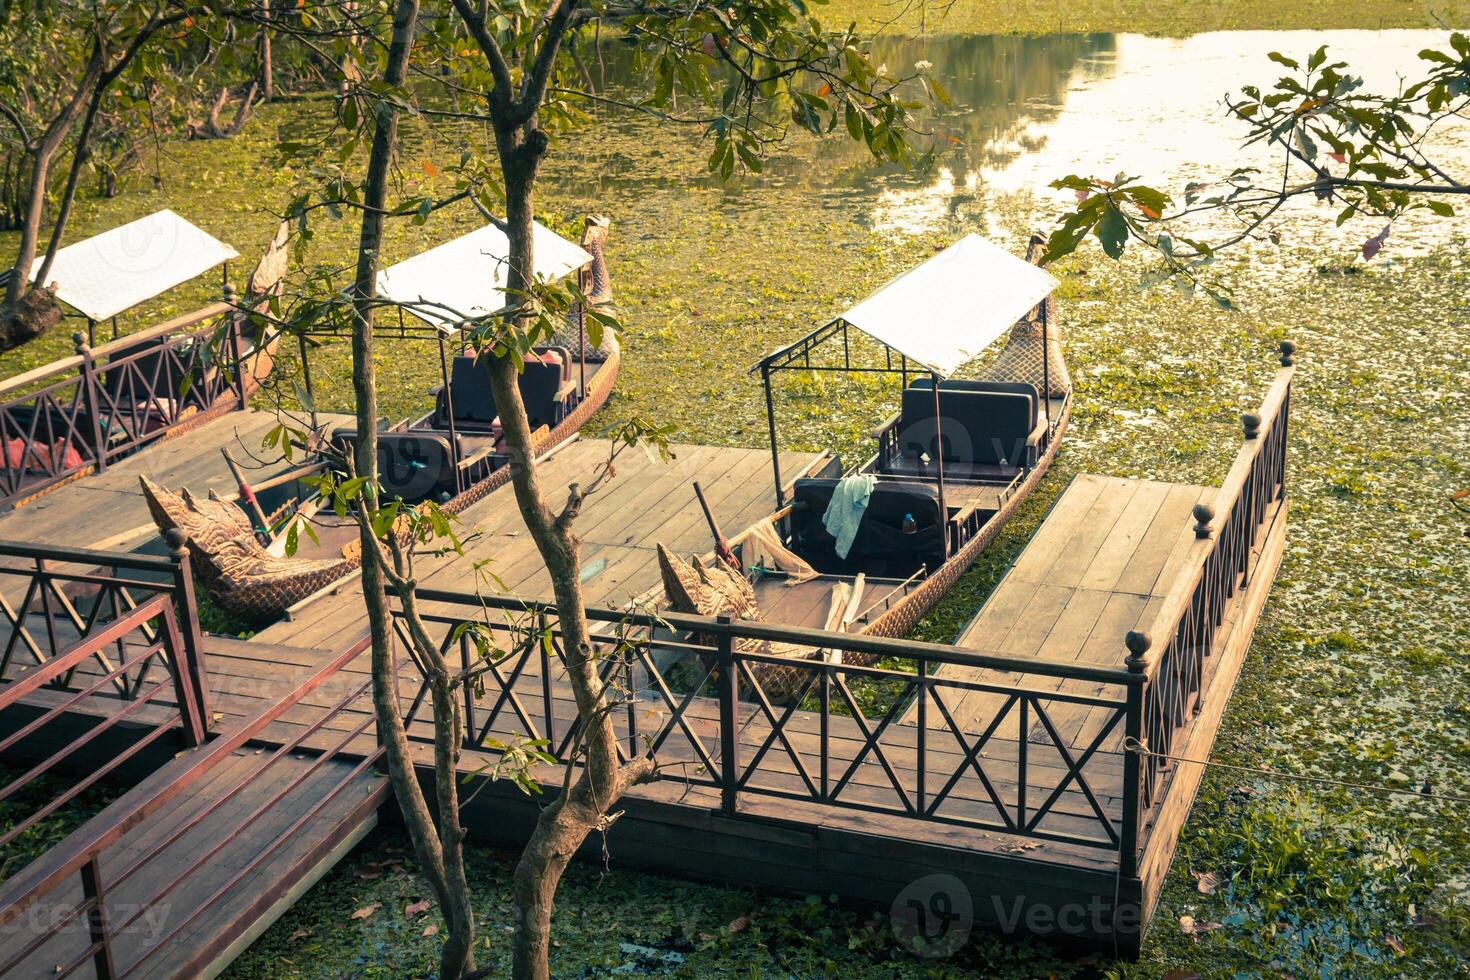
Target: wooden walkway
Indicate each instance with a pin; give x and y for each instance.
(648, 502)
(1100, 565)
(200, 857)
(107, 511)
(1001, 764)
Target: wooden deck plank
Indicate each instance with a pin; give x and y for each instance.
(1070, 596)
(1092, 531)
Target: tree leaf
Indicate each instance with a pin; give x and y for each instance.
(367, 910)
(1112, 231)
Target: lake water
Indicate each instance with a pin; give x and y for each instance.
(1026, 111)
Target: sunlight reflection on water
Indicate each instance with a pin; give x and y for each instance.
(1153, 107)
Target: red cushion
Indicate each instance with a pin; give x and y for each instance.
(59, 456)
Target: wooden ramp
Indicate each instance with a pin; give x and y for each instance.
(182, 872)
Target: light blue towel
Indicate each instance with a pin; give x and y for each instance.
(845, 512)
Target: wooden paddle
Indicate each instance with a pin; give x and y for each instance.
(722, 544)
(247, 497)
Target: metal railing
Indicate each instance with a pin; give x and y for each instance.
(1167, 678)
(84, 412)
(110, 637)
(834, 720)
(110, 928)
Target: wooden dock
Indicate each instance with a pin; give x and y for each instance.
(650, 501)
(106, 511)
(1022, 772)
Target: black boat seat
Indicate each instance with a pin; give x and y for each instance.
(985, 427)
(418, 465)
(881, 546)
(975, 384)
(545, 386)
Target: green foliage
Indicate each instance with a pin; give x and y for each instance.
(1307, 890)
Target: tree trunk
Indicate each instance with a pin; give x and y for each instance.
(42, 152)
(581, 806)
(267, 74)
(439, 858)
(80, 153)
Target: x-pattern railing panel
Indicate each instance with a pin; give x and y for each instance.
(815, 737)
(62, 625)
(89, 410)
(878, 764)
(46, 435)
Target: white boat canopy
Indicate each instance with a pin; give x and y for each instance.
(945, 311)
(118, 269)
(465, 277)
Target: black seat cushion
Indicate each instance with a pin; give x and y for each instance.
(986, 427)
(469, 389)
(418, 465)
(972, 384)
(881, 547)
(474, 402)
(539, 384)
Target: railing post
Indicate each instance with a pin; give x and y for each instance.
(233, 321)
(97, 919)
(1283, 417)
(923, 734)
(93, 403)
(729, 689)
(1203, 514)
(193, 640)
(1138, 642)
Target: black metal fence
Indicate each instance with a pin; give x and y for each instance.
(751, 709)
(84, 412)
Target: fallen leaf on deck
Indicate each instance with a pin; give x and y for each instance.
(414, 908)
(367, 910)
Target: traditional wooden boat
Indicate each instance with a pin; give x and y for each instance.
(872, 548)
(453, 454)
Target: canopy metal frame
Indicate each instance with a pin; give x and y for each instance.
(797, 356)
(421, 329)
